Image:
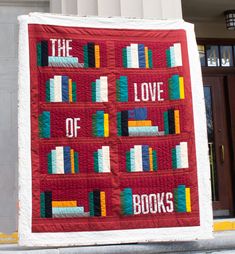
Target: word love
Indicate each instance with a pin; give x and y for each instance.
(153, 203)
(148, 91)
(61, 47)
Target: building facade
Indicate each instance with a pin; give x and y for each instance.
(217, 53)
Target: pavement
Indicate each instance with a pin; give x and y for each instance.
(223, 242)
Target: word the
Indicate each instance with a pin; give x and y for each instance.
(153, 203)
(61, 47)
(148, 91)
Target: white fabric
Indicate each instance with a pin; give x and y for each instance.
(26, 237)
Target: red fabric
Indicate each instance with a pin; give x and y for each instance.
(77, 187)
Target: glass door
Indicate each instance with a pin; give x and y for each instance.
(218, 142)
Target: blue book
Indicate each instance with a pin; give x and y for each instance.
(141, 55)
(67, 160)
(65, 88)
(145, 158)
(140, 114)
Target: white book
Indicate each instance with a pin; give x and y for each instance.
(138, 158)
(59, 160)
(178, 54)
(178, 156)
(106, 159)
(100, 161)
(58, 88)
(184, 154)
(103, 89)
(134, 55)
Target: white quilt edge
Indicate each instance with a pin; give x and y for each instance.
(26, 237)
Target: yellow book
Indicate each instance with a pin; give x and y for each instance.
(181, 79)
(188, 200)
(146, 57)
(102, 203)
(97, 56)
(72, 161)
(106, 125)
(71, 203)
(151, 158)
(139, 123)
(70, 91)
(177, 121)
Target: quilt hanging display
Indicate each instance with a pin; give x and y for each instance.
(112, 133)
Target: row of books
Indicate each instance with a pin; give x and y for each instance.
(137, 56)
(43, 58)
(102, 160)
(50, 208)
(63, 160)
(61, 89)
(135, 123)
(100, 124)
(100, 89)
(141, 158)
(180, 156)
(174, 55)
(133, 56)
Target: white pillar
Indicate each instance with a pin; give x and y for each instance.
(55, 6)
(131, 8)
(69, 7)
(153, 9)
(87, 8)
(109, 8)
(171, 9)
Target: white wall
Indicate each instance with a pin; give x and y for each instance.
(9, 10)
(157, 9)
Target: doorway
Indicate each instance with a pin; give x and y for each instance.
(219, 144)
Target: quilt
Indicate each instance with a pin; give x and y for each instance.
(112, 133)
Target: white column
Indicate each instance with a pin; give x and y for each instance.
(131, 8)
(171, 9)
(152, 9)
(55, 6)
(109, 8)
(69, 7)
(87, 8)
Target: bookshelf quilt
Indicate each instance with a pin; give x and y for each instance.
(112, 133)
